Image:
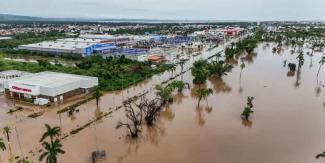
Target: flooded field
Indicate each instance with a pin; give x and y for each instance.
(286, 127)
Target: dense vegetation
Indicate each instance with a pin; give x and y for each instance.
(292, 34)
(28, 38)
(202, 69)
(248, 45)
(114, 72)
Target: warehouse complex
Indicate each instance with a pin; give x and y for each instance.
(136, 47)
(77, 46)
(51, 86)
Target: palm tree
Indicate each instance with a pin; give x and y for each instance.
(173, 69)
(6, 131)
(321, 63)
(242, 66)
(180, 85)
(301, 59)
(2, 145)
(200, 72)
(165, 93)
(182, 62)
(51, 132)
(218, 56)
(247, 112)
(97, 94)
(203, 93)
(248, 109)
(51, 151)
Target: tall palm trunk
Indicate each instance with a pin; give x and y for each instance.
(320, 66)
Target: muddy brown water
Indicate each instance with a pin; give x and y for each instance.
(287, 126)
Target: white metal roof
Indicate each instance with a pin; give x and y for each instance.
(80, 40)
(57, 45)
(50, 79)
(13, 73)
(53, 83)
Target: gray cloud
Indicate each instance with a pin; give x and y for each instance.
(171, 9)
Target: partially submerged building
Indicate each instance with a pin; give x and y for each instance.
(52, 86)
(8, 75)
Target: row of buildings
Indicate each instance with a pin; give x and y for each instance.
(133, 46)
(86, 45)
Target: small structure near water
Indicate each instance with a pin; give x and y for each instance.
(98, 155)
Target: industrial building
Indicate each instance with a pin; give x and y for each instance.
(118, 40)
(51, 86)
(76, 46)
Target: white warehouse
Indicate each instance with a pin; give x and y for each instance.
(59, 47)
(49, 85)
(77, 46)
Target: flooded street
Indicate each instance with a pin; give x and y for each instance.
(286, 127)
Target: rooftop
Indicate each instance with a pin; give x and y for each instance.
(58, 45)
(50, 79)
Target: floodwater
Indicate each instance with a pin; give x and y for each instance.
(286, 127)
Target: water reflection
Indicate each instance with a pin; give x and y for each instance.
(167, 114)
(98, 113)
(318, 89)
(133, 146)
(242, 66)
(200, 116)
(195, 88)
(291, 73)
(178, 98)
(219, 86)
(154, 133)
(298, 77)
(247, 123)
(151, 134)
(311, 60)
(249, 58)
(208, 109)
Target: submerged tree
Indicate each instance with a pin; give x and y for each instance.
(250, 101)
(247, 112)
(248, 109)
(219, 68)
(2, 145)
(292, 66)
(165, 91)
(182, 63)
(7, 131)
(292, 69)
(203, 93)
(301, 59)
(52, 150)
(200, 72)
(320, 155)
(242, 66)
(151, 109)
(134, 114)
(97, 94)
(173, 69)
(180, 85)
(321, 63)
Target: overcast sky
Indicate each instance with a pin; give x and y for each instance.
(170, 9)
